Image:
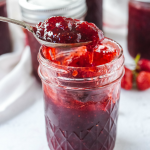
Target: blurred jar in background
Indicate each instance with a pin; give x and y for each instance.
(5, 40)
(115, 16)
(35, 11)
(94, 13)
(139, 28)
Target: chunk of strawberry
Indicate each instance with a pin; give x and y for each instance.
(127, 79)
(143, 65)
(143, 80)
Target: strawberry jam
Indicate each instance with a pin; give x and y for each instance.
(67, 30)
(139, 29)
(81, 120)
(81, 57)
(81, 96)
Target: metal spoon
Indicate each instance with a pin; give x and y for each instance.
(42, 42)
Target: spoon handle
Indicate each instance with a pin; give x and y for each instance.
(20, 23)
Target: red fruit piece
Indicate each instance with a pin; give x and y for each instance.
(143, 65)
(143, 80)
(127, 79)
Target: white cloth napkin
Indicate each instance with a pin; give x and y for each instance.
(18, 87)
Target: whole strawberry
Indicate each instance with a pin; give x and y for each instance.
(127, 79)
(143, 80)
(143, 65)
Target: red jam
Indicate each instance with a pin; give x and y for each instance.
(82, 58)
(79, 119)
(67, 30)
(139, 29)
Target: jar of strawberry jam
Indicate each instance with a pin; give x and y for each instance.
(5, 40)
(94, 13)
(138, 28)
(35, 11)
(81, 103)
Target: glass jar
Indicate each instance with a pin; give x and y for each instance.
(81, 113)
(139, 28)
(5, 40)
(34, 12)
(94, 13)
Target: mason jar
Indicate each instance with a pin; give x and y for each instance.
(35, 11)
(139, 28)
(5, 40)
(81, 111)
(95, 12)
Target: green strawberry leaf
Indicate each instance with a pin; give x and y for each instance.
(137, 58)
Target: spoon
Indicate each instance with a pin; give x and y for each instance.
(42, 42)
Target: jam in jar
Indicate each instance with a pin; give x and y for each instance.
(81, 96)
(5, 40)
(138, 28)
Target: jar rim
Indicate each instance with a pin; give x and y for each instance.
(47, 62)
(91, 77)
(87, 88)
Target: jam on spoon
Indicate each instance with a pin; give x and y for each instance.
(42, 42)
(67, 30)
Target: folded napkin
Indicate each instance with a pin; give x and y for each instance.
(18, 87)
